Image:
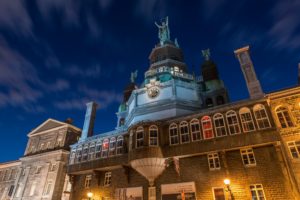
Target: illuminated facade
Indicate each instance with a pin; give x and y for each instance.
(178, 137)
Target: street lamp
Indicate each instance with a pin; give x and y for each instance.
(90, 195)
(227, 183)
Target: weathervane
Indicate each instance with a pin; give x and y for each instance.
(133, 76)
(206, 54)
(163, 30)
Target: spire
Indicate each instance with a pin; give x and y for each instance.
(253, 84)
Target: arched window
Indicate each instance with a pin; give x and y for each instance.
(246, 118)
(72, 156)
(209, 102)
(139, 137)
(219, 123)
(220, 100)
(233, 123)
(120, 142)
(105, 146)
(98, 148)
(85, 152)
(78, 154)
(207, 127)
(184, 132)
(261, 116)
(92, 151)
(112, 146)
(173, 134)
(284, 117)
(153, 135)
(195, 129)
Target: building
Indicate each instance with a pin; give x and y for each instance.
(179, 137)
(41, 172)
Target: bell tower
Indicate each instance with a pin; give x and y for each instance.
(253, 84)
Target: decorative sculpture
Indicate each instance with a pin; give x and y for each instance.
(206, 54)
(163, 30)
(133, 76)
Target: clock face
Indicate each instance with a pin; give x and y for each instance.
(153, 92)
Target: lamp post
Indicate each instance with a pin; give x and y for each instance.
(90, 195)
(227, 184)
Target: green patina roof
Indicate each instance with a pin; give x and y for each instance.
(122, 107)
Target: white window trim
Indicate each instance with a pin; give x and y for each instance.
(204, 130)
(140, 129)
(186, 124)
(219, 116)
(285, 121)
(293, 145)
(256, 190)
(113, 149)
(107, 177)
(87, 181)
(195, 122)
(153, 128)
(258, 108)
(214, 155)
(250, 164)
(238, 123)
(119, 138)
(241, 112)
(177, 135)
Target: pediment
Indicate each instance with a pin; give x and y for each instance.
(47, 125)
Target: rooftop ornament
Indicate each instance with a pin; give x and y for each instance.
(206, 54)
(163, 30)
(133, 76)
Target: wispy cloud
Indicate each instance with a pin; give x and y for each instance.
(151, 10)
(85, 72)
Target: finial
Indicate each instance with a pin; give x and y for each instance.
(163, 30)
(133, 76)
(206, 54)
(176, 43)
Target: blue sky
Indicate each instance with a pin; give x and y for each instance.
(56, 55)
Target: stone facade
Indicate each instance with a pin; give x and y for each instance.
(41, 172)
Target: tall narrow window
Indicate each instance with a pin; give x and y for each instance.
(184, 132)
(48, 188)
(92, 151)
(10, 191)
(98, 148)
(207, 127)
(105, 146)
(120, 142)
(213, 161)
(112, 146)
(78, 154)
(195, 130)
(107, 179)
(233, 123)
(257, 192)
(32, 189)
(246, 118)
(139, 137)
(88, 180)
(294, 147)
(220, 128)
(261, 116)
(173, 134)
(153, 135)
(85, 152)
(284, 117)
(248, 157)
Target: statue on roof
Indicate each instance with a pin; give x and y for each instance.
(163, 30)
(133, 76)
(206, 54)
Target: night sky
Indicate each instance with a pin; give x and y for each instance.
(57, 55)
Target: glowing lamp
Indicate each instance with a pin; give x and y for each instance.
(90, 194)
(226, 181)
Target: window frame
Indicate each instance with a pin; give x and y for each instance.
(104, 151)
(214, 156)
(292, 144)
(112, 146)
(258, 108)
(172, 127)
(107, 179)
(219, 116)
(48, 188)
(87, 181)
(155, 138)
(247, 152)
(230, 114)
(139, 142)
(244, 113)
(195, 122)
(207, 119)
(92, 151)
(284, 111)
(119, 148)
(184, 134)
(256, 190)
(213, 190)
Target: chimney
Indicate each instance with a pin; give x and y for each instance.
(253, 84)
(88, 126)
(298, 73)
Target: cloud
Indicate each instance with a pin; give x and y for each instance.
(14, 16)
(151, 9)
(103, 97)
(88, 72)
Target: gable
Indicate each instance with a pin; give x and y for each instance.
(47, 125)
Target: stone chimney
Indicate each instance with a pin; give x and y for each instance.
(88, 126)
(253, 84)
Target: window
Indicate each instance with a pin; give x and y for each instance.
(72, 157)
(53, 167)
(173, 133)
(284, 117)
(139, 137)
(92, 151)
(207, 127)
(98, 149)
(10, 191)
(219, 125)
(213, 161)
(248, 157)
(105, 146)
(120, 141)
(78, 156)
(209, 102)
(195, 130)
(261, 116)
(294, 147)
(42, 146)
(246, 118)
(220, 100)
(87, 182)
(112, 146)
(107, 179)
(257, 192)
(32, 189)
(233, 123)
(184, 132)
(48, 188)
(219, 193)
(153, 135)
(85, 152)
